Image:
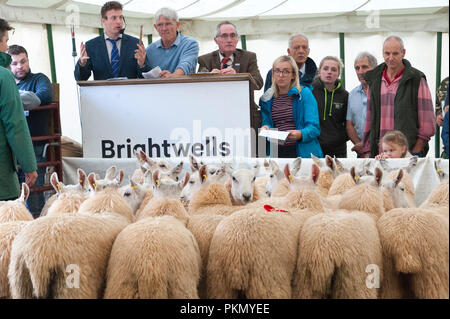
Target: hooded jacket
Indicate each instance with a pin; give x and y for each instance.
(15, 140)
(332, 107)
(304, 112)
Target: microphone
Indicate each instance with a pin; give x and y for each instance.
(74, 49)
(124, 26)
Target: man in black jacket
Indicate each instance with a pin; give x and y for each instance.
(299, 50)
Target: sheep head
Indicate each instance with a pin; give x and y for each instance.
(242, 184)
(168, 188)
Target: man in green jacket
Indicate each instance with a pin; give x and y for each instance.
(15, 140)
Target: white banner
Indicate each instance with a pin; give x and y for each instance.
(166, 119)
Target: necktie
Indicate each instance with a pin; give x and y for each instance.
(224, 62)
(114, 58)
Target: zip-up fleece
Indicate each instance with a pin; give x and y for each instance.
(332, 107)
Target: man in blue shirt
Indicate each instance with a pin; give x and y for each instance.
(113, 54)
(174, 53)
(35, 89)
(357, 102)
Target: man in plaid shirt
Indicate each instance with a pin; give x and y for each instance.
(398, 99)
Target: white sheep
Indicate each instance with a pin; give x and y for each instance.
(13, 210)
(336, 247)
(46, 249)
(147, 163)
(156, 257)
(253, 251)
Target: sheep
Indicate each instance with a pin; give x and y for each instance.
(241, 185)
(146, 163)
(135, 193)
(13, 217)
(156, 257)
(261, 265)
(49, 247)
(336, 246)
(416, 254)
(13, 210)
(277, 185)
(61, 188)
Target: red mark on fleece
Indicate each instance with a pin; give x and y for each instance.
(272, 209)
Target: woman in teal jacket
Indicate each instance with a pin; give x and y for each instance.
(289, 107)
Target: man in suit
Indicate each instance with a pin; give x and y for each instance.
(230, 60)
(113, 54)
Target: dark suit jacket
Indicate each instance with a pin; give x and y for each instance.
(98, 61)
(244, 62)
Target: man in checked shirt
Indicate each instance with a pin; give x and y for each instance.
(398, 99)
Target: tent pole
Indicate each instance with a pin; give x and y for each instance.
(243, 42)
(51, 52)
(342, 55)
(437, 137)
(150, 38)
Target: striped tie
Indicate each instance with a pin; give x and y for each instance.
(114, 57)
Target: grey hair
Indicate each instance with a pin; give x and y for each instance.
(372, 60)
(297, 36)
(167, 13)
(225, 23)
(402, 46)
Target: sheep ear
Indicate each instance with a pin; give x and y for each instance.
(143, 170)
(202, 174)
(24, 194)
(91, 180)
(229, 169)
(316, 160)
(142, 156)
(296, 166)
(194, 163)
(378, 176)
(315, 171)
(339, 165)
(266, 165)
(155, 177)
(412, 163)
(384, 164)
(148, 178)
(329, 162)
(274, 165)
(119, 177)
(177, 169)
(398, 178)
(81, 177)
(111, 173)
(353, 174)
(137, 154)
(185, 180)
(132, 182)
(287, 173)
(55, 182)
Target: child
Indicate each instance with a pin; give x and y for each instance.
(394, 145)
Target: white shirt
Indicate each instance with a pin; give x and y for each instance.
(303, 70)
(109, 45)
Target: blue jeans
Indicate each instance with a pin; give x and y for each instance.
(36, 200)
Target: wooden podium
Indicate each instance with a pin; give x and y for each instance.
(200, 114)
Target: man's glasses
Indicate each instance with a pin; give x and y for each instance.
(225, 36)
(284, 72)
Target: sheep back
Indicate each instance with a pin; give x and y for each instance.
(14, 211)
(154, 258)
(334, 250)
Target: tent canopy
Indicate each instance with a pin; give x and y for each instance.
(351, 15)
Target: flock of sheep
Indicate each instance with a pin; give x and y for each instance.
(220, 232)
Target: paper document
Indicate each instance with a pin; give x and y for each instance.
(153, 73)
(279, 135)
